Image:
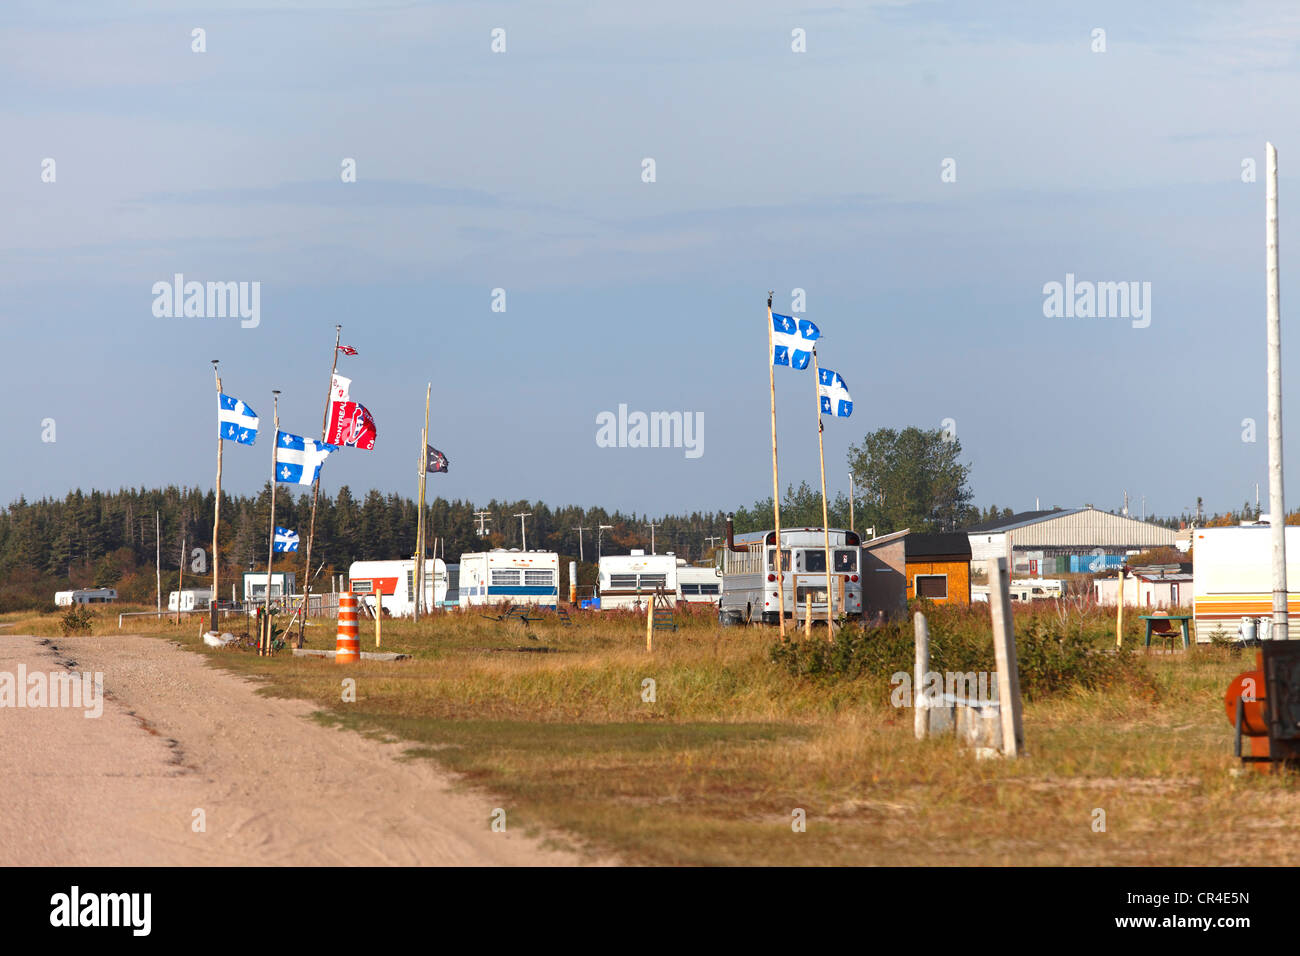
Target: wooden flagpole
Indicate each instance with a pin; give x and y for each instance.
(216, 515)
(826, 531)
(418, 576)
(264, 639)
(315, 489)
(776, 490)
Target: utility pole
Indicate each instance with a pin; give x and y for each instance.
(600, 530)
(482, 517)
(1276, 502)
(157, 521)
(652, 536)
(580, 529)
(712, 538)
(851, 528)
(523, 530)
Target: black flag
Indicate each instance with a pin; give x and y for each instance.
(434, 460)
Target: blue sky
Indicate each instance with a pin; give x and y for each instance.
(522, 170)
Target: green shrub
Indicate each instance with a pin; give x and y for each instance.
(79, 619)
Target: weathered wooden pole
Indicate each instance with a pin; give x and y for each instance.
(921, 714)
(1004, 650)
(216, 514)
(650, 624)
(265, 641)
(826, 531)
(379, 615)
(776, 487)
(1119, 613)
(315, 490)
(1276, 500)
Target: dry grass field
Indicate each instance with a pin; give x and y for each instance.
(551, 719)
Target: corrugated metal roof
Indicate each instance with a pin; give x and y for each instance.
(1089, 528)
(1016, 520)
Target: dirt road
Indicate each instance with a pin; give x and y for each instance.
(177, 736)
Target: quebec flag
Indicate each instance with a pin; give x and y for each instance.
(235, 420)
(792, 341)
(298, 459)
(285, 540)
(835, 394)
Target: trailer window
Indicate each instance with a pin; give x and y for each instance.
(651, 582)
(710, 588)
(785, 559)
(627, 581)
(505, 578)
(846, 561)
(539, 579)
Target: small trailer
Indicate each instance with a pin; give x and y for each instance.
(395, 581)
(254, 585)
(630, 580)
(698, 585)
(85, 596)
(520, 577)
(1232, 580)
(190, 599)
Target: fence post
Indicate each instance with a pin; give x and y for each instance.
(650, 624)
(1004, 649)
(379, 614)
(1119, 614)
(807, 615)
(921, 717)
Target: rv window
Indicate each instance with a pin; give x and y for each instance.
(846, 561)
(539, 579)
(627, 581)
(710, 589)
(505, 578)
(690, 589)
(814, 560)
(650, 582)
(785, 559)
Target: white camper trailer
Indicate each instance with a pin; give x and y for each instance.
(631, 580)
(282, 584)
(1232, 578)
(85, 596)
(698, 585)
(522, 577)
(190, 599)
(395, 580)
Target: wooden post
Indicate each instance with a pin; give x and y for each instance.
(270, 547)
(216, 514)
(776, 487)
(1119, 613)
(157, 523)
(180, 577)
(826, 531)
(650, 624)
(1004, 649)
(807, 616)
(921, 715)
(421, 531)
(315, 485)
(379, 615)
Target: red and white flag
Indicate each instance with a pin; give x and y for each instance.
(339, 388)
(351, 424)
(346, 349)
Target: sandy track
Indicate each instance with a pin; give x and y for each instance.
(177, 735)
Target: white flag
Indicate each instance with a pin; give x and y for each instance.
(339, 388)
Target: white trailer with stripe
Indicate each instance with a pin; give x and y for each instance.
(395, 582)
(520, 577)
(631, 580)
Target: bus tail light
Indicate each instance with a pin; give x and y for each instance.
(771, 577)
(853, 578)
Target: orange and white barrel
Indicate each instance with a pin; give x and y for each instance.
(348, 644)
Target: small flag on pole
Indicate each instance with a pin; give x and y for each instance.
(346, 349)
(834, 393)
(351, 424)
(792, 342)
(285, 540)
(339, 388)
(298, 459)
(434, 460)
(235, 420)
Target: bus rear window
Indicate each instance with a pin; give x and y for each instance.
(785, 559)
(846, 560)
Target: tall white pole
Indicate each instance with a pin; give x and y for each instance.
(1276, 503)
(776, 487)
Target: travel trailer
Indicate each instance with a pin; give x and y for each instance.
(1232, 579)
(254, 585)
(748, 572)
(698, 585)
(395, 581)
(521, 577)
(85, 596)
(630, 580)
(190, 599)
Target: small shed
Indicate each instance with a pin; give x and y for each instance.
(938, 567)
(884, 576)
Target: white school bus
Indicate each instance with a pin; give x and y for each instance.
(749, 583)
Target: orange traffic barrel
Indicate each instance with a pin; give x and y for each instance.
(348, 645)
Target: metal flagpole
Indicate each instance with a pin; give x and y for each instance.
(264, 640)
(1276, 502)
(418, 575)
(776, 492)
(424, 518)
(826, 532)
(216, 515)
(315, 489)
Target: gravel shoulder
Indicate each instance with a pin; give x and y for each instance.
(177, 736)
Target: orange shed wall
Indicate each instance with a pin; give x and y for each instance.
(958, 572)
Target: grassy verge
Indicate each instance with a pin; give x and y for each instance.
(712, 769)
